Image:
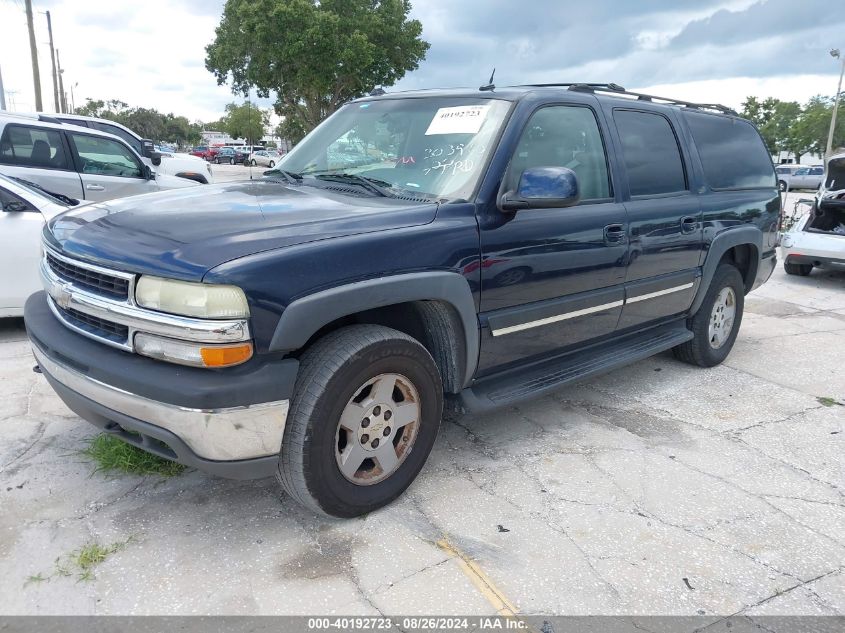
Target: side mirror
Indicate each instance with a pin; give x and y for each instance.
(543, 188)
(149, 148)
(155, 157)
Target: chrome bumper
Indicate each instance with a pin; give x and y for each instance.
(235, 433)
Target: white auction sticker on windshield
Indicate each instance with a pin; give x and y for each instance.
(458, 120)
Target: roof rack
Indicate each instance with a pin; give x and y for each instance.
(619, 90)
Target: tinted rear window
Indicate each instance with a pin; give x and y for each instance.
(651, 153)
(732, 152)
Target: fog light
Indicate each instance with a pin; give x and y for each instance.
(192, 354)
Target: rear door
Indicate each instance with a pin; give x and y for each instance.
(664, 215)
(108, 168)
(815, 177)
(40, 155)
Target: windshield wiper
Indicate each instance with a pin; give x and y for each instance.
(291, 177)
(372, 185)
(71, 202)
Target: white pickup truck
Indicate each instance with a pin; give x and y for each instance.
(165, 163)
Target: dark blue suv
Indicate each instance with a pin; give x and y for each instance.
(475, 246)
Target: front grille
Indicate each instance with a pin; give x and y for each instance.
(102, 283)
(94, 325)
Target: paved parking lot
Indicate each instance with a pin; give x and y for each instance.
(657, 489)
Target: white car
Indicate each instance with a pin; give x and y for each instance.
(25, 209)
(171, 163)
(77, 162)
(264, 158)
(817, 239)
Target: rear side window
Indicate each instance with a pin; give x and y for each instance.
(32, 147)
(732, 152)
(817, 171)
(651, 153)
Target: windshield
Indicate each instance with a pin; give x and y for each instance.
(433, 147)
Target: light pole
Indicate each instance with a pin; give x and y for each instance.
(834, 52)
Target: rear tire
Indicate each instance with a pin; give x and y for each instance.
(272, 164)
(781, 185)
(716, 323)
(253, 163)
(342, 402)
(801, 270)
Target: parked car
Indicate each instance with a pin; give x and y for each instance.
(799, 176)
(230, 155)
(310, 324)
(205, 152)
(167, 162)
(264, 158)
(77, 162)
(25, 209)
(817, 239)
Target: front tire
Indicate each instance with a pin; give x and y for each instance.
(253, 163)
(782, 185)
(716, 323)
(364, 416)
(801, 270)
(272, 164)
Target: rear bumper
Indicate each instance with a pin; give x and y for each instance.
(228, 423)
(818, 260)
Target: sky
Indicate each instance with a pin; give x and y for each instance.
(151, 53)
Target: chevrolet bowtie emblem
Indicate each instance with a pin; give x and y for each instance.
(61, 295)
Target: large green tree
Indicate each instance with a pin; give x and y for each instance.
(245, 121)
(314, 55)
(813, 126)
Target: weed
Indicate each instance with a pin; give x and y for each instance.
(113, 454)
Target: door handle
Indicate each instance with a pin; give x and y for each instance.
(614, 234)
(688, 224)
(95, 187)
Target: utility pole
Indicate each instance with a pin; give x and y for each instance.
(53, 59)
(836, 55)
(63, 99)
(36, 76)
(2, 92)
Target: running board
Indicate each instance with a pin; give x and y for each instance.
(519, 384)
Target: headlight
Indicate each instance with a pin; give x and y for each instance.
(205, 301)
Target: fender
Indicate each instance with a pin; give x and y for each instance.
(721, 244)
(305, 316)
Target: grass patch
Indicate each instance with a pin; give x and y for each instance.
(828, 402)
(113, 454)
(80, 562)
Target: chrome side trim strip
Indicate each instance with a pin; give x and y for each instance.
(659, 293)
(234, 433)
(554, 319)
(68, 296)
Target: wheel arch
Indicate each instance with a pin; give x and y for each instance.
(436, 308)
(742, 247)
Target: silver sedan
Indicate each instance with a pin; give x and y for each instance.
(265, 158)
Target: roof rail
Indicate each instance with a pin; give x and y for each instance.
(619, 90)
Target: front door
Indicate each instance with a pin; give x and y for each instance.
(552, 278)
(108, 168)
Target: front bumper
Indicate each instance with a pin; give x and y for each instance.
(228, 422)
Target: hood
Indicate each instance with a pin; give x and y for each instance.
(184, 234)
(166, 182)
